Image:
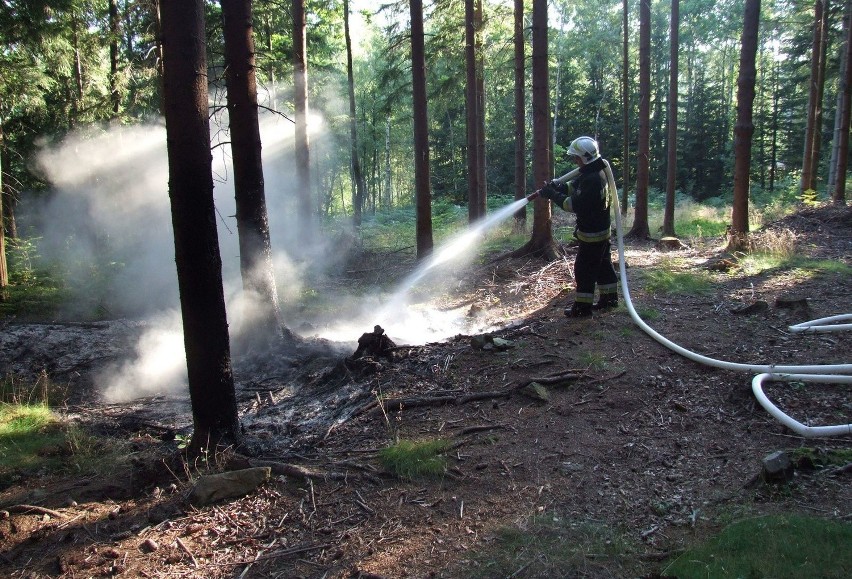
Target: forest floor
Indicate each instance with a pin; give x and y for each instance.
(635, 453)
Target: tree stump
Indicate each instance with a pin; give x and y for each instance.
(671, 244)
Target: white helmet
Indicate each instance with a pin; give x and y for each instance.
(584, 147)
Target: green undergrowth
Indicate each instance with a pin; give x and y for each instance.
(761, 262)
(35, 441)
(416, 459)
(667, 281)
(554, 546)
(778, 546)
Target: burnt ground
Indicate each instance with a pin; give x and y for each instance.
(635, 441)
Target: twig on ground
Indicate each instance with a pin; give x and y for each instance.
(26, 509)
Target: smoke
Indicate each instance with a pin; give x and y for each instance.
(159, 365)
(107, 224)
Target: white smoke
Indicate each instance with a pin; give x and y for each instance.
(108, 217)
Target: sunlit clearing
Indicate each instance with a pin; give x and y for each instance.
(159, 366)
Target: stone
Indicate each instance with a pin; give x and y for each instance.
(227, 485)
(536, 391)
(777, 468)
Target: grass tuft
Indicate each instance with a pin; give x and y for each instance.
(666, 281)
(415, 459)
(553, 546)
(773, 546)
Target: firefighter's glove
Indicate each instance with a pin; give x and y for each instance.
(548, 191)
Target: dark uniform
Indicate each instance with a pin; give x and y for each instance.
(587, 197)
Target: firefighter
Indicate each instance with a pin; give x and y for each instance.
(588, 196)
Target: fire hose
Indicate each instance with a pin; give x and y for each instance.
(830, 373)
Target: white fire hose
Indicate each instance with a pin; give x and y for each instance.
(831, 373)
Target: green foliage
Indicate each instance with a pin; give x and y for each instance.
(34, 290)
(416, 459)
(17, 390)
(24, 431)
(553, 546)
(666, 280)
(648, 314)
(821, 457)
(593, 360)
(809, 198)
(780, 546)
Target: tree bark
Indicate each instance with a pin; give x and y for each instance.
(520, 116)
(811, 130)
(541, 242)
(357, 175)
(671, 164)
(838, 112)
(4, 272)
(838, 194)
(818, 114)
(9, 200)
(300, 103)
(625, 107)
(480, 108)
(472, 112)
(115, 36)
(199, 264)
(423, 188)
(744, 128)
(643, 151)
(249, 189)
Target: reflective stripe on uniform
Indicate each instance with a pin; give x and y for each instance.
(595, 237)
(584, 298)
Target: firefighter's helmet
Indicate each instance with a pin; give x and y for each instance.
(584, 147)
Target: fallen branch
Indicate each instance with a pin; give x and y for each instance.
(186, 550)
(555, 378)
(279, 554)
(405, 403)
(284, 469)
(480, 428)
(26, 509)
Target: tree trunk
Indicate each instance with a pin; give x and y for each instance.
(300, 103)
(4, 272)
(625, 107)
(744, 128)
(199, 264)
(838, 113)
(480, 109)
(838, 194)
(773, 147)
(817, 146)
(813, 99)
(357, 175)
(472, 112)
(643, 150)
(388, 194)
(114, 37)
(520, 116)
(158, 46)
(423, 188)
(671, 165)
(541, 242)
(249, 190)
(9, 200)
